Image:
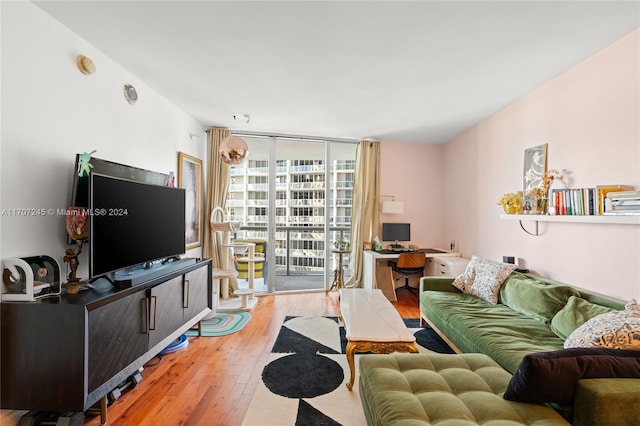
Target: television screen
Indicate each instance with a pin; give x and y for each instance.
(396, 232)
(80, 184)
(133, 223)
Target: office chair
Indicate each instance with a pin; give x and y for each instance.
(408, 264)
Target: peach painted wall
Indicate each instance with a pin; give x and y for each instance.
(413, 174)
(590, 118)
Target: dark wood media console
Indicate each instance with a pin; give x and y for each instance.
(66, 353)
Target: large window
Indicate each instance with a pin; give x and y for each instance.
(312, 198)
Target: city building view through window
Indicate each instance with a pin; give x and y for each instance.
(294, 200)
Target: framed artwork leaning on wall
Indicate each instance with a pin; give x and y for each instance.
(190, 178)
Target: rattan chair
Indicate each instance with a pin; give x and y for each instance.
(406, 265)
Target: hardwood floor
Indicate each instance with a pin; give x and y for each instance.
(212, 381)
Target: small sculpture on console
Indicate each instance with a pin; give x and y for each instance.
(77, 223)
(71, 257)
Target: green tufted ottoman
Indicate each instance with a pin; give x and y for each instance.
(445, 390)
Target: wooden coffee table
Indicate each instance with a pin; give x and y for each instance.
(372, 324)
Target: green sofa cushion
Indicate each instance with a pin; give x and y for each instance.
(576, 312)
(533, 298)
(606, 402)
(426, 389)
(474, 325)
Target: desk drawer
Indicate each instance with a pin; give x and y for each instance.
(449, 267)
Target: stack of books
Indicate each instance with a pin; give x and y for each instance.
(594, 201)
(622, 203)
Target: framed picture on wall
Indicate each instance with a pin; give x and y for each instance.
(190, 178)
(535, 166)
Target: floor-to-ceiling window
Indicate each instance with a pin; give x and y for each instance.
(294, 195)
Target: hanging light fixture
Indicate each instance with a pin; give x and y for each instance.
(233, 150)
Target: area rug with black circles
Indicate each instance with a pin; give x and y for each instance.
(303, 382)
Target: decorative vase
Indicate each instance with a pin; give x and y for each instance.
(540, 205)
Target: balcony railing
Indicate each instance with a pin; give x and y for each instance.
(306, 185)
(285, 252)
(342, 166)
(257, 186)
(317, 168)
(257, 170)
(311, 203)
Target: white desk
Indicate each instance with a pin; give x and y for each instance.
(375, 264)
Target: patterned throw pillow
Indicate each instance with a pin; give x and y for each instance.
(616, 330)
(464, 281)
(483, 278)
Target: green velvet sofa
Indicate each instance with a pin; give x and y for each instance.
(524, 321)
(533, 316)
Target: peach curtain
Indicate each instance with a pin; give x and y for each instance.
(217, 188)
(364, 217)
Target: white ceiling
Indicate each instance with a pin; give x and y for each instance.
(417, 71)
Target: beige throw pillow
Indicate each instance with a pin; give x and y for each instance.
(483, 278)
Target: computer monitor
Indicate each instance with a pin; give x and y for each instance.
(396, 232)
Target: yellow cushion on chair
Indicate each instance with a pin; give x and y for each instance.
(243, 269)
(260, 250)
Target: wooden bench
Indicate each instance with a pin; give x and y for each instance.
(372, 324)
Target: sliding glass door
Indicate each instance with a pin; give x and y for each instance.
(293, 197)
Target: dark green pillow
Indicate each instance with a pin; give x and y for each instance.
(553, 376)
(576, 312)
(533, 298)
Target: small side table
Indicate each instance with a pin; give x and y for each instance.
(338, 273)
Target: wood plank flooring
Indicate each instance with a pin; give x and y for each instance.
(212, 381)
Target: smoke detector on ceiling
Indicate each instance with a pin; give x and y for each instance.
(241, 118)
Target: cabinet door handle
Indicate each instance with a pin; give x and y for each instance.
(145, 311)
(186, 294)
(154, 299)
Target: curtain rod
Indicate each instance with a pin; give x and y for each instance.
(285, 136)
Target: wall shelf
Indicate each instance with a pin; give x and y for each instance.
(621, 220)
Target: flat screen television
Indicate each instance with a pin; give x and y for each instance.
(80, 185)
(133, 223)
(396, 232)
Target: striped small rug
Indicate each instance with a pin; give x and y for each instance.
(222, 324)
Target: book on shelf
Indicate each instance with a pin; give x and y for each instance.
(579, 201)
(622, 213)
(625, 195)
(604, 190)
(627, 205)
